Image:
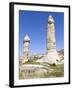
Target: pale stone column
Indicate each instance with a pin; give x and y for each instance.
(26, 43)
(51, 41)
(52, 54)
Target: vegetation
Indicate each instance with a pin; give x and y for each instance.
(31, 62)
(53, 71)
(58, 71)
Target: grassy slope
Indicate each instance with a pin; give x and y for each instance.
(57, 70)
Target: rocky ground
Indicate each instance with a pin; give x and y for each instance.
(37, 70)
(33, 69)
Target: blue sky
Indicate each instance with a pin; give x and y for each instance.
(34, 23)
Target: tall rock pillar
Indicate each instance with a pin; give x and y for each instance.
(26, 43)
(52, 54)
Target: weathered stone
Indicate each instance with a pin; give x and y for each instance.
(26, 49)
(52, 55)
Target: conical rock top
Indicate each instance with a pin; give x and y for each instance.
(26, 38)
(50, 19)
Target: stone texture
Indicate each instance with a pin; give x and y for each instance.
(26, 48)
(52, 55)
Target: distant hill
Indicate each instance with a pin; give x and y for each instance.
(61, 51)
